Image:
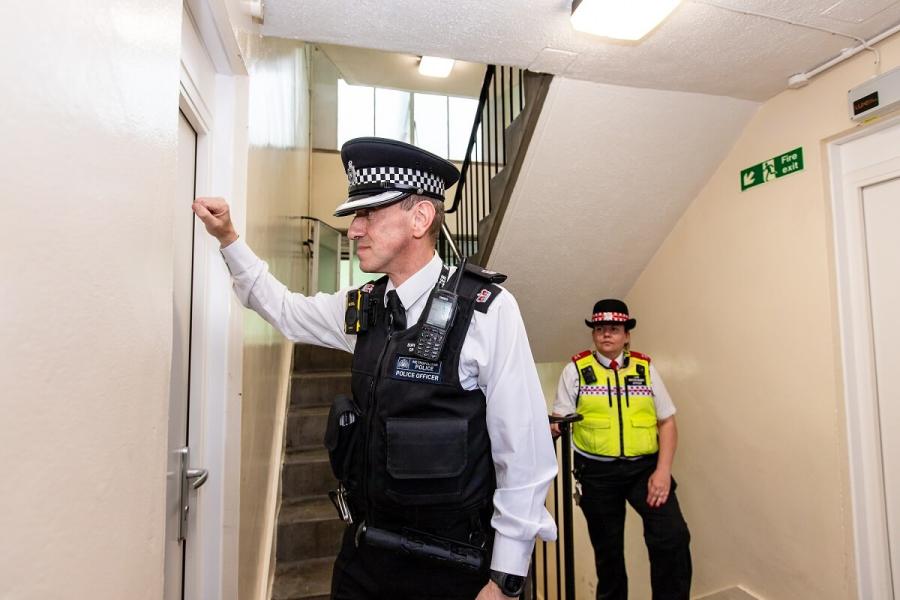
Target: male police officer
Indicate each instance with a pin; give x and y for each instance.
(443, 453)
(624, 449)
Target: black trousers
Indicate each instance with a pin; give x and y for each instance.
(605, 487)
(366, 573)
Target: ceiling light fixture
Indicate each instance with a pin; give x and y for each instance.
(620, 19)
(432, 66)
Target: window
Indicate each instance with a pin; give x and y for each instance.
(392, 112)
(460, 117)
(430, 117)
(439, 124)
(356, 111)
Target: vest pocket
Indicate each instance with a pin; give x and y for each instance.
(425, 459)
(643, 429)
(593, 435)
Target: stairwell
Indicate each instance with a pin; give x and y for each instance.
(309, 532)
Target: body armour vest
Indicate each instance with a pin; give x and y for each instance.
(420, 449)
(618, 409)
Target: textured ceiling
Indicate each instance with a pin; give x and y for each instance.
(699, 48)
(583, 221)
(401, 71)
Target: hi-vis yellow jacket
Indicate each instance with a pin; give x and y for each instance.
(619, 414)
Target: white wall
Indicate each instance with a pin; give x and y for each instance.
(89, 119)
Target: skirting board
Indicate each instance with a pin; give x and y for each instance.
(732, 593)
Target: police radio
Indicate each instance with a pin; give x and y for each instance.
(437, 325)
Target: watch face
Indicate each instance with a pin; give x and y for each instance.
(513, 584)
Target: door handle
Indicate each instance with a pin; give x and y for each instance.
(197, 477)
(191, 479)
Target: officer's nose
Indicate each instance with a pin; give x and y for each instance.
(357, 228)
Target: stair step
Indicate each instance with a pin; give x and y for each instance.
(303, 580)
(320, 388)
(306, 473)
(310, 359)
(306, 427)
(308, 528)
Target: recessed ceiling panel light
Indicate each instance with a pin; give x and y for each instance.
(432, 66)
(620, 19)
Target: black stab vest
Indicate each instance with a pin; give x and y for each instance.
(421, 454)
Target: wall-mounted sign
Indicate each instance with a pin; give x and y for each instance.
(785, 164)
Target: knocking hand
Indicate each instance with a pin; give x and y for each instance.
(217, 218)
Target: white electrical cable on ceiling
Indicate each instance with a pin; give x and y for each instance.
(801, 79)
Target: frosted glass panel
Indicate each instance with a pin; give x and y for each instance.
(431, 123)
(392, 114)
(356, 111)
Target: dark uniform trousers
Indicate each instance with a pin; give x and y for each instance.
(366, 573)
(605, 487)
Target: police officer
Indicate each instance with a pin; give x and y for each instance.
(624, 448)
(443, 453)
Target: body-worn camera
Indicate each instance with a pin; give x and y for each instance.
(358, 314)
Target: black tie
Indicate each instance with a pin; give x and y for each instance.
(396, 310)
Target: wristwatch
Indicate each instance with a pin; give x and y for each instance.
(510, 585)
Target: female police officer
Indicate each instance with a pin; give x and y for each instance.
(449, 446)
(624, 449)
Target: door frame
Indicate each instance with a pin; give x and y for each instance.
(851, 171)
(212, 96)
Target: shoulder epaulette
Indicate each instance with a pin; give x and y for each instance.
(477, 271)
(369, 286)
(639, 355)
(485, 294)
(581, 355)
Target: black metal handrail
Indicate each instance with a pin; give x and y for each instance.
(563, 573)
(501, 100)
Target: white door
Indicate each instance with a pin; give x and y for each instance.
(180, 478)
(881, 212)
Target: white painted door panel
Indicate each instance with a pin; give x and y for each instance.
(179, 388)
(881, 209)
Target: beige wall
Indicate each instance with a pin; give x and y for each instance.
(278, 190)
(86, 182)
(737, 309)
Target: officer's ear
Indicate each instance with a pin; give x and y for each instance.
(423, 215)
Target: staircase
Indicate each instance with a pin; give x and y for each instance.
(309, 532)
(509, 106)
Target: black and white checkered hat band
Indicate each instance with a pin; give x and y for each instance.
(367, 179)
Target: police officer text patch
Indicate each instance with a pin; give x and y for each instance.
(409, 368)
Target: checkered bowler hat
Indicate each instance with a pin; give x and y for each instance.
(382, 171)
(611, 310)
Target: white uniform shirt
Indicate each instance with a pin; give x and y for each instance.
(495, 357)
(567, 392)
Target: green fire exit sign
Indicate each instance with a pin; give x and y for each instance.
(782, 165)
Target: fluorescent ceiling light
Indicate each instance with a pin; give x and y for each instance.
(620, 19)
(432, 66)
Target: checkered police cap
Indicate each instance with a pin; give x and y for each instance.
(382, 171)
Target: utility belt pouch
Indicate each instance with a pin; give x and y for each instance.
(341, 432)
